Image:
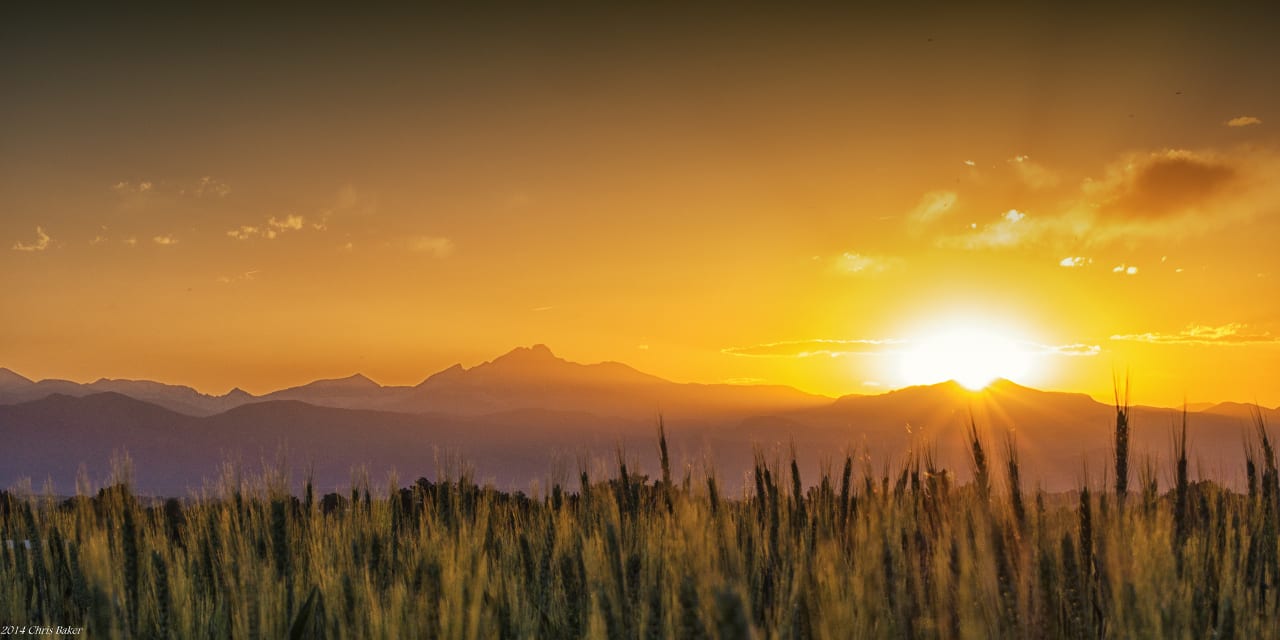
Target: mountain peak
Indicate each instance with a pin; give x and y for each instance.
(10, 378)
(538, 353)
(354, 382)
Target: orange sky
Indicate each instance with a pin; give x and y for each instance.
(260, 200)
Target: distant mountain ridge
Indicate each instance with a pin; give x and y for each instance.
(514, 417)
(524, 378)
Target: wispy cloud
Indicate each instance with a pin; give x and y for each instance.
(272, 229)
(244, 232)
(1126, 269)
(125, 187)
(1243, 121)
(205, 187)
(1011, 229)
(836, 348)
(1228, 334)
(165, 241)
(809, 348)
(1071, 350)
(1162, 185)
(209, 187)
(289, 222)
(1171, 193)
(1074, 261)
(247, 275)
(40, 244)
(435, 246)
(933, 205)
(852, 264)
(1032, 173)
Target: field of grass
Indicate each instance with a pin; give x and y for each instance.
(907, 554)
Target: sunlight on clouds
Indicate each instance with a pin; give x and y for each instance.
(126, 188)
(1243, 121)
(40, 244)
(1125, 269)
(247, 275)
(1071, 350)
(1075, 261)
(851, 263)
(1169, 193)
(836, 347)
(1234, 333)
(210, 187)
(1012, 229)
(932, 206)
(274, 227)
(290, 222)
(1033, 174)
(165, 241)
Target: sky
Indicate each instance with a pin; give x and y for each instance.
(807, 196)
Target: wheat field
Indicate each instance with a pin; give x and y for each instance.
(904, 554)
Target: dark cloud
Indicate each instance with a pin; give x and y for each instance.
(1167, 184)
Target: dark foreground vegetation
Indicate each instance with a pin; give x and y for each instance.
(902, 554)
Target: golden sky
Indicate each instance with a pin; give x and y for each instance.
(781, 195)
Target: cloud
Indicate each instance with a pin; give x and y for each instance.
(1032, 173)
(125, 187)
(808, 348)
(1071, 350)
(1126, 269)
(1162, 185)
(436, 246)
(205, 187)
(41, 242)
(272, 229)
(209, 187)
(1228, 334)
(244, 232)
(1243, 121)
(165, 241)
(851, 263)
(1166, 194)
(835, 348)
(1013, 228)
(1075, 261)
(247, 275)
(290, 222)
(933, 205)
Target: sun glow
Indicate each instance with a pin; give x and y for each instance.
(972, 357)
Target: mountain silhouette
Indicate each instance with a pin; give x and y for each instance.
(12, 381)
(515, 416)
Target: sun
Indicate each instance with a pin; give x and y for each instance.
(971, 356)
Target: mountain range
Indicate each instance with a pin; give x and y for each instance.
(532, 416)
